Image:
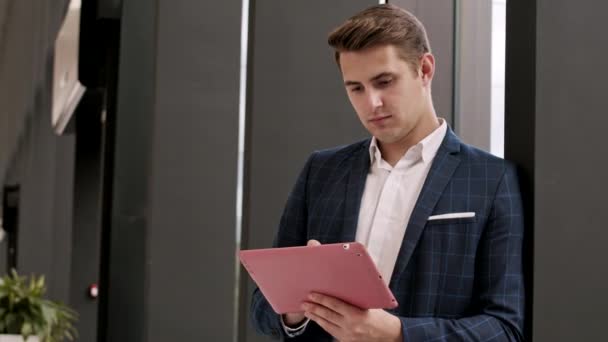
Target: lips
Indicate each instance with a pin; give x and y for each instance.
(379, 119)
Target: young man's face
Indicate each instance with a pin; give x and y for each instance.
(388, 96)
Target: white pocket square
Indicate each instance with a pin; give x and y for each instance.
(451, 216)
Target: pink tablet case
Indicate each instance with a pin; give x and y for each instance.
(287, 275)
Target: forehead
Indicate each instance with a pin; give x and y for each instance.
(367, 63)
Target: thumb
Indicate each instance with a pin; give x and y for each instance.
(313, 243)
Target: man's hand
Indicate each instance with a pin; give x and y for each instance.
(295, 319)
(349, 323)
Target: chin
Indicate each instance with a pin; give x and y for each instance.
(383, 138)
(389, 138)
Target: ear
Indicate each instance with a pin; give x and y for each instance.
(427, 68)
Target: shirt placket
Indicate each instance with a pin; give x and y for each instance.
(384, 218)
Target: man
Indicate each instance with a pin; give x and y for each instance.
(441, 219)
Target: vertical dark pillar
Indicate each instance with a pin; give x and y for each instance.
(86, 235)
(127, 151)
(520, 124)
(172, 245)
(555, 131)
(192, 231)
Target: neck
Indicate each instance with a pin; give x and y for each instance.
(394, 151)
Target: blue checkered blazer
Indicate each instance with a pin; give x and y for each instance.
(455, 279)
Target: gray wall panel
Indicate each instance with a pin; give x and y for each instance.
(474, 73)
(27, 34)
(570, 217)
(555, 125)
(297, 103)
(173, 229)
(45, 213)
(19, 72)
(37, 160)
(193, 189)
(36, 196)
(127, 230)
(62, 204)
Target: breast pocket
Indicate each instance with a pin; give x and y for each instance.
(453, 218)
(452, 243)
(451, 221)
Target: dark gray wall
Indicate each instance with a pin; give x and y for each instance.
(27, 33)
(555, 111)
(172, 256)
(570, 217)
(62, 223)
(192, 230)
(45, 170)
(19, 57)
(45, 206)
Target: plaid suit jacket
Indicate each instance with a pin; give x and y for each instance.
(455, 279)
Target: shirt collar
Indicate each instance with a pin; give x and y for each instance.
(426, 149)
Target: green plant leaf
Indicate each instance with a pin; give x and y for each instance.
(25, 311)
(26, 329)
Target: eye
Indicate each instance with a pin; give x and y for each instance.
(384, 82)
(355, 89)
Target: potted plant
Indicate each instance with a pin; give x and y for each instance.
(25, 315)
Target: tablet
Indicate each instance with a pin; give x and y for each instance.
(286, 276)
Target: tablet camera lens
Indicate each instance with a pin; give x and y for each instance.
(345, 246)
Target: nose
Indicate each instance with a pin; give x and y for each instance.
(375, 99)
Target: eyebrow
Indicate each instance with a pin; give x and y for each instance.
(375, 78)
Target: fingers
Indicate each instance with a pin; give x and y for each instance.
(313, 243)
(342, 308)
(328, 326)
(323, 312)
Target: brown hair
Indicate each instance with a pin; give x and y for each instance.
(382, 25)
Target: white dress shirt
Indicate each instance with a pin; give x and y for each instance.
(389, 197)
(387, 203)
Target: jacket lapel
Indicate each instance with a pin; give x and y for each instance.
(359, 168)
(445, 163)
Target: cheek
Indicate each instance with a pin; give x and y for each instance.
(404, 104)
(355, 101)
(358, 106)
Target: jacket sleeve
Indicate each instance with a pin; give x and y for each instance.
(498, 306)
(292, 232)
